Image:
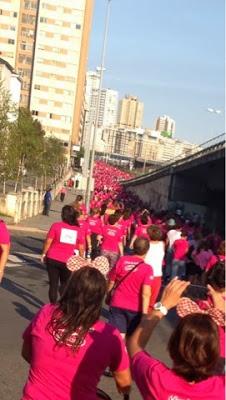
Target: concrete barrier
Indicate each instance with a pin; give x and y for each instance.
(27, 203)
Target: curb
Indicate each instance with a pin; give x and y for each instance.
(26, 229)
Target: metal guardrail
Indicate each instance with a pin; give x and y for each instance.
(217, 144)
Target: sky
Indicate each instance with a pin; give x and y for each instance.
(169, 53)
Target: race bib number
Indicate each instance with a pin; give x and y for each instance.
(68, 236)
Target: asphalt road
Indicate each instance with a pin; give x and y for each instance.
(23, 292)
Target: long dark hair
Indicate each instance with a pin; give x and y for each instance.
(79, 307)
(70, 215)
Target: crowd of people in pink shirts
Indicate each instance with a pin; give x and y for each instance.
(142, 264)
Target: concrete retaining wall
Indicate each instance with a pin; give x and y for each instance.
(155, 193)
(27, 203)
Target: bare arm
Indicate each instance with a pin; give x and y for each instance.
(110, 286)
(81, 250)
(123, 380)
(3, 259)
(132, 241)
(146, 295)
(120, 245)
(88, 239)
(46, 247)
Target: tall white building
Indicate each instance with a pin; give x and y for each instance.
(166, 124)
(108, 107)
(91, 94)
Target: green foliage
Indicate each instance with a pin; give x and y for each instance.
(24, 146)
(166, 134)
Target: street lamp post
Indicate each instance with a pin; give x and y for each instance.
(92, 157)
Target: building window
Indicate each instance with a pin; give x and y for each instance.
(37, 87)
(12, 28)
(77, 26)
(11, 41)
(1, 12)
(15, 14)
(28, 19)
(42, 19)
(34, 112)
(50, 115)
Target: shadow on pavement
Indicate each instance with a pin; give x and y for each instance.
(30, 261)
(25, 295)
(33, 249)
(23, 311)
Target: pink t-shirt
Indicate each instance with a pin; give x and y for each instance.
(180, 248)
(112, 236)
(202, 258)
(157, 382)
(4, 235)
(58, 373)
(141, 230)
(95, 225)
(66, 239)
(213, 260)
(129, 293)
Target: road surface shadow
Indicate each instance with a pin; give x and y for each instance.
(23, 311)
(25, 295)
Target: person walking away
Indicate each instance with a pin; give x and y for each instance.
(111, 240)
(47, 202)
(63, 192)
(155, 258)
(141, 228)
(4, 247)
(79, 204)
(68, 347)
(173, 234)
(180, 250)
(63, 239)
(95, 226)
(193, 348)
(132, 279)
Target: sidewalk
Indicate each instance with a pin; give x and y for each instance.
(41, 223)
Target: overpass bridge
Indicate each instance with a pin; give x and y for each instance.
(195, 183)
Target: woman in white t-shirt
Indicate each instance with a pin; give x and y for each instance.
(155, 257)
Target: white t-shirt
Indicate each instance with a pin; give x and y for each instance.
(173, 235)
(155, 256)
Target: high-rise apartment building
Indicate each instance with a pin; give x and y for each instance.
(91, 94)
(130, 113)
(108, 107)
(166, 125)
(108, 101)
(46, 41)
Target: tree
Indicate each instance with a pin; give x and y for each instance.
(7, 109)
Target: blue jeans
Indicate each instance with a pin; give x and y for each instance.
(178, 269)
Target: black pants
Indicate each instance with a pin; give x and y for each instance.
(62, 196)
(46, 209)
(95, 248)
(58, 273)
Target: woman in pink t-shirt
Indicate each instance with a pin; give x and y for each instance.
(68, 347)
(112, 240)
(63, 240)
(4, 247)
(141, 229)
(193, 347)
(219, 257)
(202, 255)
(131, 281)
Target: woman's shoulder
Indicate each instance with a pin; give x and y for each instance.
(106, 328)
